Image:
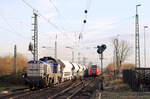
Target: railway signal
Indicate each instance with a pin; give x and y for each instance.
(30, 47)
(100, 51)
(101, 48)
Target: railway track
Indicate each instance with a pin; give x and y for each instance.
(89, 91)
(27, 92)
(71, 91)
(66, 90)
(45, 94)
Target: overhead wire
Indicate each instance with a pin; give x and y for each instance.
(11, 27)
(80, 36)
(57, 10)
(59, 14)
(115, 23)
(83, 25)
(48, 21)
(56, 27)
(5, 29)
(85, 20)
(124, 19)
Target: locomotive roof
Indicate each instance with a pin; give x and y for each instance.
(35, 61)
(49, 59)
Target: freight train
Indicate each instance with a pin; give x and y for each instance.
(94, 70)
(49, 71)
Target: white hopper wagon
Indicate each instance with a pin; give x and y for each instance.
(84, 70)
(84, 67)
(76, 70)
(67, 70)
(81, 71)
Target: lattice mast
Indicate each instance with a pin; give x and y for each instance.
(137, 39)
(35, 37)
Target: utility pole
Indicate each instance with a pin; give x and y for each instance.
(116, 54)
(72, 52)
(145, 47)
(35, 37)
(137, 39)
(84, 60)
(56, 46)
(114, 62)
(78, 57)
(15, 59)
(72, 56)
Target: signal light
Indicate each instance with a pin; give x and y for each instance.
(84, 21)
(85, 11)
(30, 47)
(101, 48)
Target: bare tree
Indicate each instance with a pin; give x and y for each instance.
(122, 51)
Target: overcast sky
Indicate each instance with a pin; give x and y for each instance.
(105, 20)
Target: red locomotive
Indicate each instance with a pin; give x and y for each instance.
(94, 70)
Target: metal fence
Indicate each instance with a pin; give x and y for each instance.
(127, 95)
(129, 77)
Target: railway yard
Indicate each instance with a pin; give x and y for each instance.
(87, 88)
(78, 49)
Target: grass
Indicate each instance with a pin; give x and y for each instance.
(116, 85)
(116, 89)
(124, 95)
(12, 87)
(11, 82)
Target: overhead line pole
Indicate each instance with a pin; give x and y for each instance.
(145, 47)
(72, 56)
(35, 37)
(15, 59)
(56, 47)
(72, 53)
(137, 39)
(116, 53)
(78, 57)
